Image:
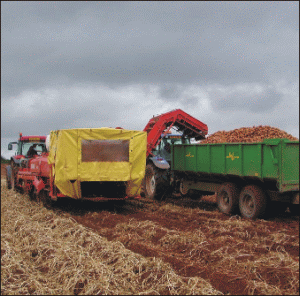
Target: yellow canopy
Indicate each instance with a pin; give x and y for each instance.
(97, 154)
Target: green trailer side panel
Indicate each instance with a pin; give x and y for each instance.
(179, 160)
(203, 159)
(252, 159)
(191, 158)
(290, 166)
(233, 159)
(276, 159)
(270, 165)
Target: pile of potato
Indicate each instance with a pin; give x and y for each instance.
(248, 135)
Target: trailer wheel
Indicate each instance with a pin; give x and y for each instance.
(252, 202)
(155, 182)
(182, 190)
(228, 198)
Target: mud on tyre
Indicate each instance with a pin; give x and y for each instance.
(252, 202)
(228, 198)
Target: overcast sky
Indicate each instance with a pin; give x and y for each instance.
(107, 64)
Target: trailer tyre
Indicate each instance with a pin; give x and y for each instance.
(182, 190)
(252, 202)
(228, 198)
(155, 182)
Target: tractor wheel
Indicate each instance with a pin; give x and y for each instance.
(155, 182)
(8, 177)
(228, 198)
(253, 202)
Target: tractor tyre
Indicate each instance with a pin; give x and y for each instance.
(156, 183)
(8, 176)
(228, 198)
(252, 202)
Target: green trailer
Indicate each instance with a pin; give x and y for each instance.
(247, 177)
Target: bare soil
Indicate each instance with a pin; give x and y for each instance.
(236, 256)
(197, 240)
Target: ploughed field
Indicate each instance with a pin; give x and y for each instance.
(142, 247)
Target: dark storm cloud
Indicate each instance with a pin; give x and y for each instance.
(246, 98)
(190, 101)
(142, 42)
(48, 110)
(170, 91)
(94, 64)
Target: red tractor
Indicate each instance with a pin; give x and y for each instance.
(27, 147)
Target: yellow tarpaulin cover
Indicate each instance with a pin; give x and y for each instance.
(97, 154)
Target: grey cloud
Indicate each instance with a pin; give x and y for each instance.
(142, 42)
(258, 101)
(170, 91)
(66, 108)
(190, 101)
(103, 59)
(15, 14)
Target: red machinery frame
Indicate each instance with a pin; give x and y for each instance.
(161, 124)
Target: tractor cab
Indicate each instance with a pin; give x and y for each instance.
(24, 144)
(164, 147)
